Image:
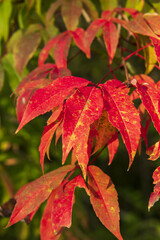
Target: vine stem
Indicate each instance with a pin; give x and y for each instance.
(125, 59)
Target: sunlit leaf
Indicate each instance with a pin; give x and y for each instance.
(155, 195)
(156, 44)
(122, 114)
(58, 212)
(46, 139)
(154, 151)
(104, 200)
(81, 109)
(150, 99)
(33, 194)
(139, 25)
(109, 4)
(45, 99)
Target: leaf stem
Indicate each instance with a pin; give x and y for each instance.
(94, 159)
(125, 59)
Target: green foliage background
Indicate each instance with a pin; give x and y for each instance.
(19, 156)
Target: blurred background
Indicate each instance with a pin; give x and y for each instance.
(23, 33)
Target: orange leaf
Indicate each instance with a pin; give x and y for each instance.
(104, 200)
(153, 21)
(33, 194)
(155, 195)
(154, 151)
(105, 134)
(139, 25)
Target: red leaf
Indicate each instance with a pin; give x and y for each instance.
(58, 212)
(61, 44)
(104, 200)
(81, 109)
(61, 50)
(150, 99)
(112, 147)
(78, 36)
(145, 129)
(91, 33)
(154, 151)
(122, 114)
(107, 15)
(71, 11)
(31, 196)
(33, 81)
(133, 12)
(47, 138)
(111, 37)
(139, 25)
(45, 99)
(155, 195)
(47, 228)
(156, 44)
(37, 74)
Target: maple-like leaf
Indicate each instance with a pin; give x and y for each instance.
(58, 212)
(150, 98)
(139, 25)
(46, 138)
(37, 74)
(155, 195)
(24, 51)
(38, 78)
(105, 133)
(91, 32)
(103, 197)
(45, 99)
(153, 21)
(156, 44)
(81, 110)
(31, 196)
(122, 114)
(113, 145)
(111, 36)
(61, 44)
(154, 151)
(71, 11)
(149, 54)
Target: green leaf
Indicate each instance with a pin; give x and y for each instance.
(5, 12)
(12, 75)
(1, 76)
(136, 4)
(149, 55)
(109, 4)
